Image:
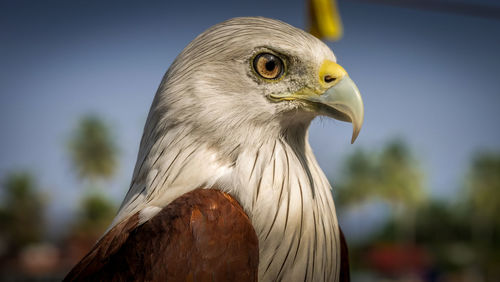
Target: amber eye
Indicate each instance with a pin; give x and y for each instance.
(268, 66)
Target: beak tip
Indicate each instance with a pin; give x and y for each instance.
(355, 132)
(353, 138)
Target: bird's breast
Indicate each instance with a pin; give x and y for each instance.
(289, 201)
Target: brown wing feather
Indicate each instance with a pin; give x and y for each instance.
(203, 235)
(345, 274)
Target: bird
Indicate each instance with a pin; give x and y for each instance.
(226, 186)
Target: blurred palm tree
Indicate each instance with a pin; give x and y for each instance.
(96, 213)
(22, 216)
(482, 196)
(402, 186)
(93, 152)
(357, 183)
(483, 186)
(392, 176)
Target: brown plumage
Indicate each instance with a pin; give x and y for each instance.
(204, 235)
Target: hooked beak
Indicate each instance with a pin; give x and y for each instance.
(339, 97)
(342, 102)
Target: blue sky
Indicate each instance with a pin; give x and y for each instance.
(427, 77)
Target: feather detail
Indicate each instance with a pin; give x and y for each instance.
(204, 235)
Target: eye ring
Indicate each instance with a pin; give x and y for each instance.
(268, 66)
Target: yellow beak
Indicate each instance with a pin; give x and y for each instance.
(342, 98)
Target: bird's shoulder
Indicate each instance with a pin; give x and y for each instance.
(203, 235)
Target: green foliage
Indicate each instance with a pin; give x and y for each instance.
(401, 178)
(439, 222)
(92, 149)
(483, 187)
(22, 211)
(357, 183)
(482, 196)
(96, 214)
(391, 175)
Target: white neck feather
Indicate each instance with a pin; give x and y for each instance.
(279, 184)
(288, 199)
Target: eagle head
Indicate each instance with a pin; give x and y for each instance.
(251, 78)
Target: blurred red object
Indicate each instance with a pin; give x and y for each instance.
(393, 259)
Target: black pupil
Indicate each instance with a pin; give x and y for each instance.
(271, 64)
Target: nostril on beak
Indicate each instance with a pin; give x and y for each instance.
(329, 78)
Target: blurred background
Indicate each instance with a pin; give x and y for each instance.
(418, 194)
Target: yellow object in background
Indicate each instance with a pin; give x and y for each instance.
(324, 19)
